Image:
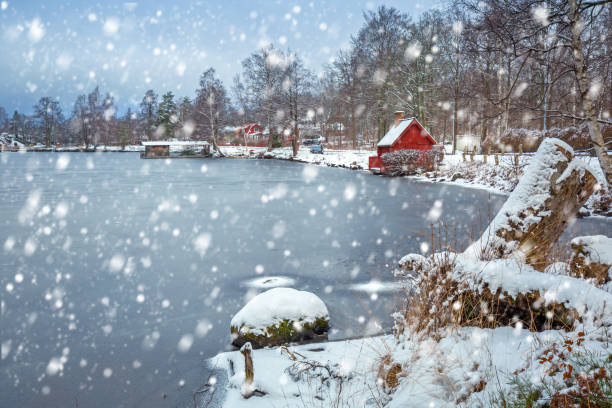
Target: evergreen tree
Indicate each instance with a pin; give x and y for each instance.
(15, 124)
(167, 114)
(148, 112)
(4, 120)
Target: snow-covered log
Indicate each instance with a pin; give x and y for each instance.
(555, 185)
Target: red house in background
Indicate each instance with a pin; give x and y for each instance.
(404, 134)
(253, 131)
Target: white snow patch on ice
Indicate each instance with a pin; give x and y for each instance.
(376, 286)
(266, 282)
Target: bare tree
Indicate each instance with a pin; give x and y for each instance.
(347, 74)
(263, 73)
(379, 45)
(296, 85)
(578, 9)
(211, 106)
(49, 115)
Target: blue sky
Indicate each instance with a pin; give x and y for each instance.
(64, 48)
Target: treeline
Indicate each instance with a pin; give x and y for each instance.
(476, 67)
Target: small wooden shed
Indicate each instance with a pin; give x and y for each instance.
(175, 148)
(404, 134)
(155, 149)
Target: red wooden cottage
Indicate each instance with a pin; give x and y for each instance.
(404, 134)
(252, 131)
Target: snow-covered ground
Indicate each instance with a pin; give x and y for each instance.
(98, 148)
(9, 141)
(468, 367)
(355, 159)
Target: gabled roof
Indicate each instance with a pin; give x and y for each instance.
(396, 131)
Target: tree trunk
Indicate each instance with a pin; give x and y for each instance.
(583, 89)
(352, 127)
(268, 124)
(543, 204)
(296, 132)
(213, 127)
(455, 124)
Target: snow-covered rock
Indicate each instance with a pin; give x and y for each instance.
(278, 316)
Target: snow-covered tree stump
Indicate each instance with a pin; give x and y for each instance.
(247, 387)
(555, 185)
(592, 258)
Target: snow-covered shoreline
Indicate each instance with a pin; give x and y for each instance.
(471, 173)
(74, 149)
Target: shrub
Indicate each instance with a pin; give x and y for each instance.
(438, 301)
(410, 161)
(574, 377)
(188, 152)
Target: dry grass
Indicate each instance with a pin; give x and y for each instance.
(436, 300)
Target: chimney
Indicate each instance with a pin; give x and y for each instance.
(399, 116)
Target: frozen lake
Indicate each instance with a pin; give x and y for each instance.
(119, 276)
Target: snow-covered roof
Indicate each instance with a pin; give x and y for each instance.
(176, 143)
(396, 131)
